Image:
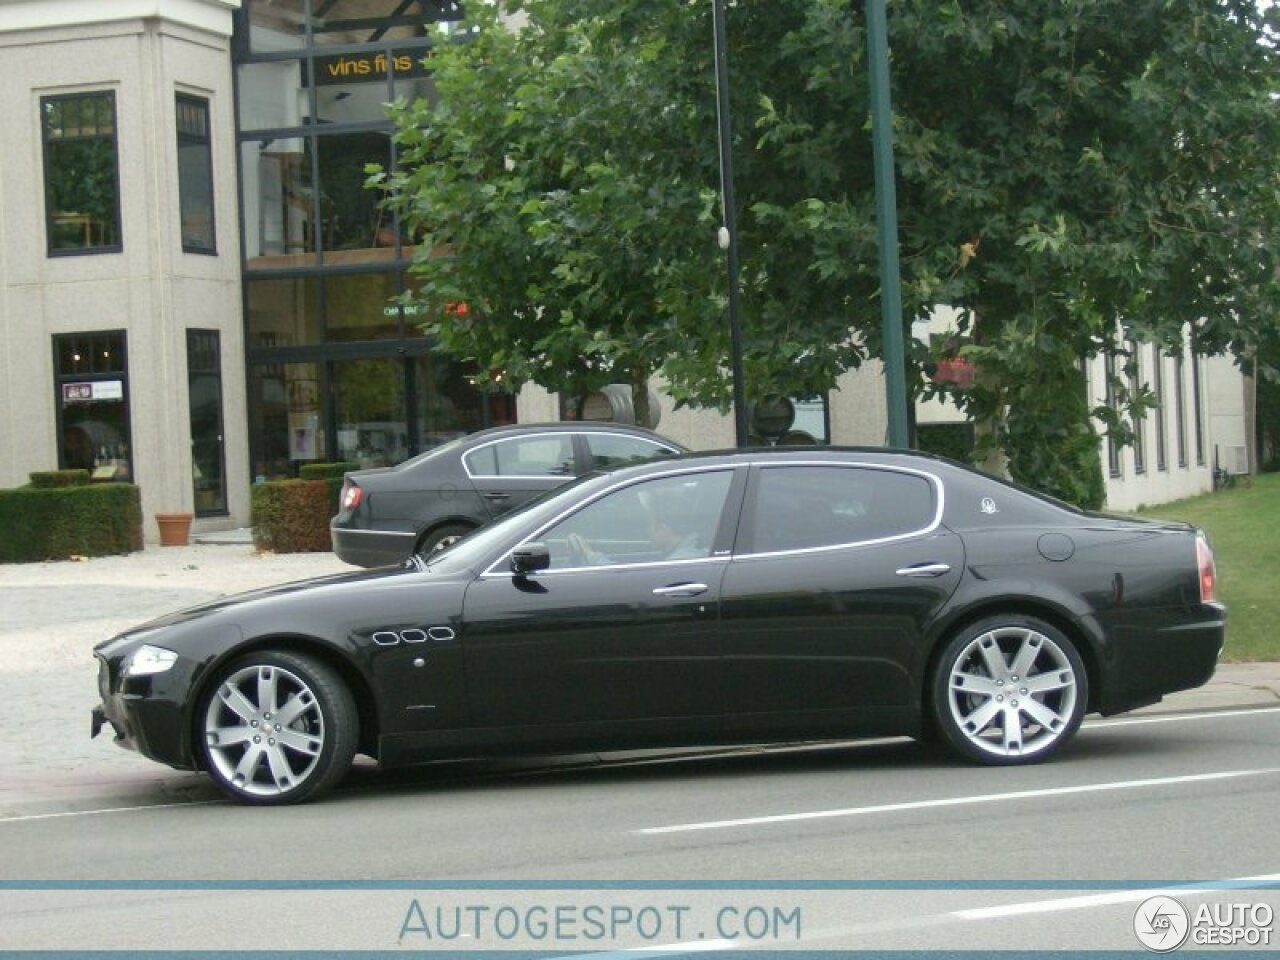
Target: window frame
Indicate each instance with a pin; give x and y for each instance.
(750, 504)
(563, 435)
(46, 141)
(660, 448)
(187, 139)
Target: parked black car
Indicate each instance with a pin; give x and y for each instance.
(710, 598)
(433, 499)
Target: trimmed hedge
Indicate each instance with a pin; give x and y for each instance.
(50, 479)
(56, 523)
(292, 516)
(326, 471)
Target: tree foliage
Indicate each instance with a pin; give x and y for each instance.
(1070, 174)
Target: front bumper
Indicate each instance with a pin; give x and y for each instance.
(145, 713)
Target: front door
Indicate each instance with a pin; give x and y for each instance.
(622, 627)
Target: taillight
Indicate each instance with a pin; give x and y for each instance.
(1208, 571)
(351, 495)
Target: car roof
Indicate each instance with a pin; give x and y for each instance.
(567, 426)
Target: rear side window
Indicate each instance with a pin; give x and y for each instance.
(805, 507)
(544, 455)
(612, 449)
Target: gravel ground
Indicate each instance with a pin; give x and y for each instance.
(51, 614)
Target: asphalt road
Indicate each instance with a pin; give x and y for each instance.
(1134, 803)
(878, 845)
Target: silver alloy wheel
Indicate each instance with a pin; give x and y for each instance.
(264, 730)
(1012, 692)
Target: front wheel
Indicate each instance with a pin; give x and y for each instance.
(278, 728)
(1009, 690)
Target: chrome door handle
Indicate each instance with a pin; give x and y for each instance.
(924, 570)
(680, 590)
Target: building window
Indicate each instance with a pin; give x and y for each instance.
(92, 383)
(1197, 401)
(1157, 382)
(204, 398)
(1113, 448)
(1139, 421)
(81, 173)
(195, 174)
(1180, 407)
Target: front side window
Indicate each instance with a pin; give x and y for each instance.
(81, 173)
(655, 521)
(615, 449)
(544, 455)
(195, 174)
(809, 507)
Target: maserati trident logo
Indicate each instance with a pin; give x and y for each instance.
(1161, 924)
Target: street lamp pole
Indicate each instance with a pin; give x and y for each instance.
(729, 231)
(895, 375)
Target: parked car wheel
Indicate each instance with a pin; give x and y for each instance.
(1009, 690)
(278, 728)
(446, 536)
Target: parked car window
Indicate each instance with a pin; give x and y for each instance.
(802, 507)
(613, 449)
(545, 455)
(670, 518)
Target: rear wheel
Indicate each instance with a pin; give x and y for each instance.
(278, 728)
(1009, 690)
(442, 537)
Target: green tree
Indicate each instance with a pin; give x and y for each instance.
(1071, 173)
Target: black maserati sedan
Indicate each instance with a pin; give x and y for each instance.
(742, 597)
(427, 502)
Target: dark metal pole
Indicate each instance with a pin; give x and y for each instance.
(729, 232)
(895, 367)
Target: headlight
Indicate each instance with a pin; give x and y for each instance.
(147, 660)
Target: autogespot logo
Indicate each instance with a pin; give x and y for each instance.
(1161, 924)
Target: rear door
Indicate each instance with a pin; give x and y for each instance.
(513, 470)
(838, 572)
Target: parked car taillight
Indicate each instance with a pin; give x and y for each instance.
(351, 495)
(1208, 570)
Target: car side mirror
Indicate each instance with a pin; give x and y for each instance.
(530, 558)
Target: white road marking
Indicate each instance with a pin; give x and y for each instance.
(960, 801)
(1118, 896)
(1213, 715)
(93, 813)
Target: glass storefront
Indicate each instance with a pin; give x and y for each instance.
(336, 369)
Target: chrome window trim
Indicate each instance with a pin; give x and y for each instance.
(491, 574)
(934, 524)
(466, 466)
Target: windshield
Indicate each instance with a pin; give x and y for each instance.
(478, 548)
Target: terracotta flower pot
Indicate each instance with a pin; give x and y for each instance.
(175, 528)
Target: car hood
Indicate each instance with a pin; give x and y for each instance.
(318, 590)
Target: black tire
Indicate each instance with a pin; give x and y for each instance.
(436, 540)
(277, 728)
(1027, 711)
